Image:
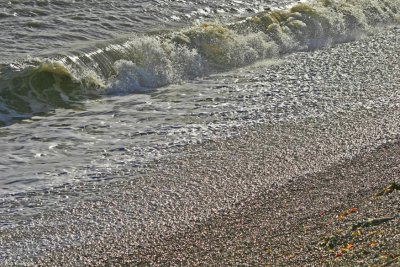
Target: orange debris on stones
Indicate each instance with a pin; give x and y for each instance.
(373, 244)
(347, 212)
(353, 210)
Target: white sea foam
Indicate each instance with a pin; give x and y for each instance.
(144, 62)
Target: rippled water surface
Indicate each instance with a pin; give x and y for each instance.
(30, 28)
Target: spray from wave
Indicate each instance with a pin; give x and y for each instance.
(39, 86)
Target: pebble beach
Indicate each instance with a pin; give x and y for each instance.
(314, 191)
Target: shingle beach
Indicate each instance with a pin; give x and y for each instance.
(322, 191)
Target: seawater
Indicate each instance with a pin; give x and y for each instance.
(93, 89)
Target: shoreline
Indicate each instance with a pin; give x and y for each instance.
(217, 202)
(200, 208)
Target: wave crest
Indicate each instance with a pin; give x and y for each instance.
(157, 60)
(39, 87)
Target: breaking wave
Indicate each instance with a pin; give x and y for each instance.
(38, 86)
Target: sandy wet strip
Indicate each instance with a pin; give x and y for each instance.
(274, 173)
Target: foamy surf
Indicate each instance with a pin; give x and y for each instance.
(144, 62)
